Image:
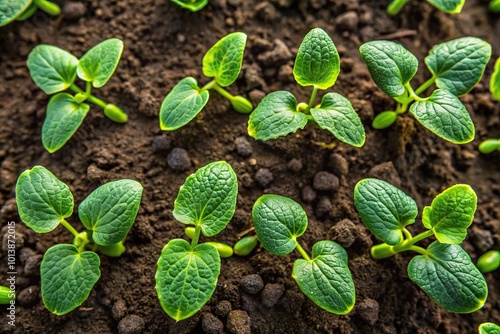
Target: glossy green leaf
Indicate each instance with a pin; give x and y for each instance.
(192, 5)
(223, 60)
(444, 115)
(459, 64)
(337, 115)
(390, 64)
(42, 200)
(11, 9)
(64, 117)
(448, 6)
(110, 210)
(68, 276)
(186, 277)
(208, 198)
(489, 328)
(494, 6)
(317, 62)
(51, 68)
(451, 213)
(326, 278)
(99, 63)
(449, 277)
(278, 222)
(384, 209)
(276, 116)
(495, 81)
(182, 104)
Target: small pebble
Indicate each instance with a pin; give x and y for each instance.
(178, 160)
(72, 11)
(131, 324)
(119, 309)
(223, 308)
(32, 265)
(266, 11)
(272, 293)
(325, 181)
(246, 180)
(211, 324)
(323, 207)
(28, 296)
(368, 311)
(161, 143)
(252, 284)
(238, 322)
(256, 96)
(482, 239)
(243, 146)
(264, 177)
(338, 164)
(308, 194)
(295, 165)
(348, 21)
(344, 232)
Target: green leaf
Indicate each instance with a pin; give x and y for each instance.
(278, 222)
(276, 116)
(99, 63)
(11, 9)
(495, 81)
(451, 213)
(208, 198)
(494, 6)
(193, 6)
(110, 210)
(186, 277)
(444, 115)
(51, 68)
(489, 328)
(182, 104)
(449, 277)
(326, 278)
(317, 62)
(42, 200)
(390, 64)
(64, 117)
(459, 64)
(68, 276)
(337, 115)
(384, 209)
(448, 6)
(223, 60)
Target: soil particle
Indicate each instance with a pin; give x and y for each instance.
(279, 55)
(131, 324)
(295, 165)
(482, 239)
(161, 143)
(253, 77)
(211, 324)
(252, 284)
(25, 253)
(338, 164)
(223, 308)
(8, 174)
(238, 322)
(246, 180)
(323, 207)
(308, 194)
(285, 73)
(325, 181)
(119, 309)
(185, 326)
(95, 174)
(28, 296)
(266, 11)
(272, 293)
(344, 232)
(387, 172)
(32, 265)
(178, 160)
(264, 177)
(283, 3)
(72, 11)
(256, 96)
(368, 311)
(347, 21)
(243, 146)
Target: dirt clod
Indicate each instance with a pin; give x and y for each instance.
(131, 324)
(211, 324)
(161, 143)
(368, 311)
(295, 165)
(272, 293)
(238, 322)
(338, 164)
(178, 160)
(308, 194)
(325, 181)
(243, 146)
(28, 296)
(252, 284)
(119, 309)
(264, 177)
(347, 21)
(223, 308)
(32, 265)
(72, 11)
(344, 232)
(323, 207)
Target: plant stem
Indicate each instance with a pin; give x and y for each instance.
(412, 93)
(222, 92)
(395, 6)
(425, 85)
(302, 252)
(208, 86)
(311, 100)
(382, 251)
(69, 227)
(48, 7)
(88, 88)
(196, 237)
(91, 98)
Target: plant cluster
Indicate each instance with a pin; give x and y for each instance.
(447, 6)
(69, 271)
(54, 70)
(23, 9)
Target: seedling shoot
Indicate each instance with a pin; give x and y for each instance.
(23, 9)
(447, 6)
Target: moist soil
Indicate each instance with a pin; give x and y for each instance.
(163, 44)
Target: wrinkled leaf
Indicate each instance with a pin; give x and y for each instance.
(384, 209)
(449, 277)
(42, 200)
(326, 278)
(99, 63)
(208, 198)
(278, 222)
(489, 328)
(186, 277)
(11, 9)
(495, 81)
(67, 277)
(110, 210)
(448, 6)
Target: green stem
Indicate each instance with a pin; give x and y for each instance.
(196, 237)
(302, 252)
(91, 98)
(407, 234)
(70, 228)
(420, 237)
(48, 7)
(395, 6)
(412, 93)
(311, 100)
(382, 251)
(223, 92)
(425, 85)
(88, 88)
(208, 86)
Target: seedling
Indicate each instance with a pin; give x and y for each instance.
(69, 271)
(447, 6)
(324, 277)
(223, 249)
(245, 245)
(493, 144)
(318, 65)
(55, 70)
(192, 5)
(6, 295)
(443, 270)
(23, 9)
(489, 328)
(223, 63)
(489, 261)
(187, 274)
(456, 67)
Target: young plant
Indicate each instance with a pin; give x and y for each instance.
(318, 65)
(444, 270)
(23, 9)
(192, 5)
(456, 67)
(187, 274)
(493, 144)
(222, 63)
(69, 271)
(489, 328)
(324, 277)
(447, 6)
(223, 249)
(489, 261)
(55, 70)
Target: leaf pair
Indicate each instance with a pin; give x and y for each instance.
(187, 275)
(444, 270)
(223, 63)
(456, 67)
(54, 70)
(69, 273)
(23, 9)
(317, 64)
(325, 278)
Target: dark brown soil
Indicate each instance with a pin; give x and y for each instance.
(163, 44)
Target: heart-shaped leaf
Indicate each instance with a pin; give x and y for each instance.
(448, 6)
(11, 9)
